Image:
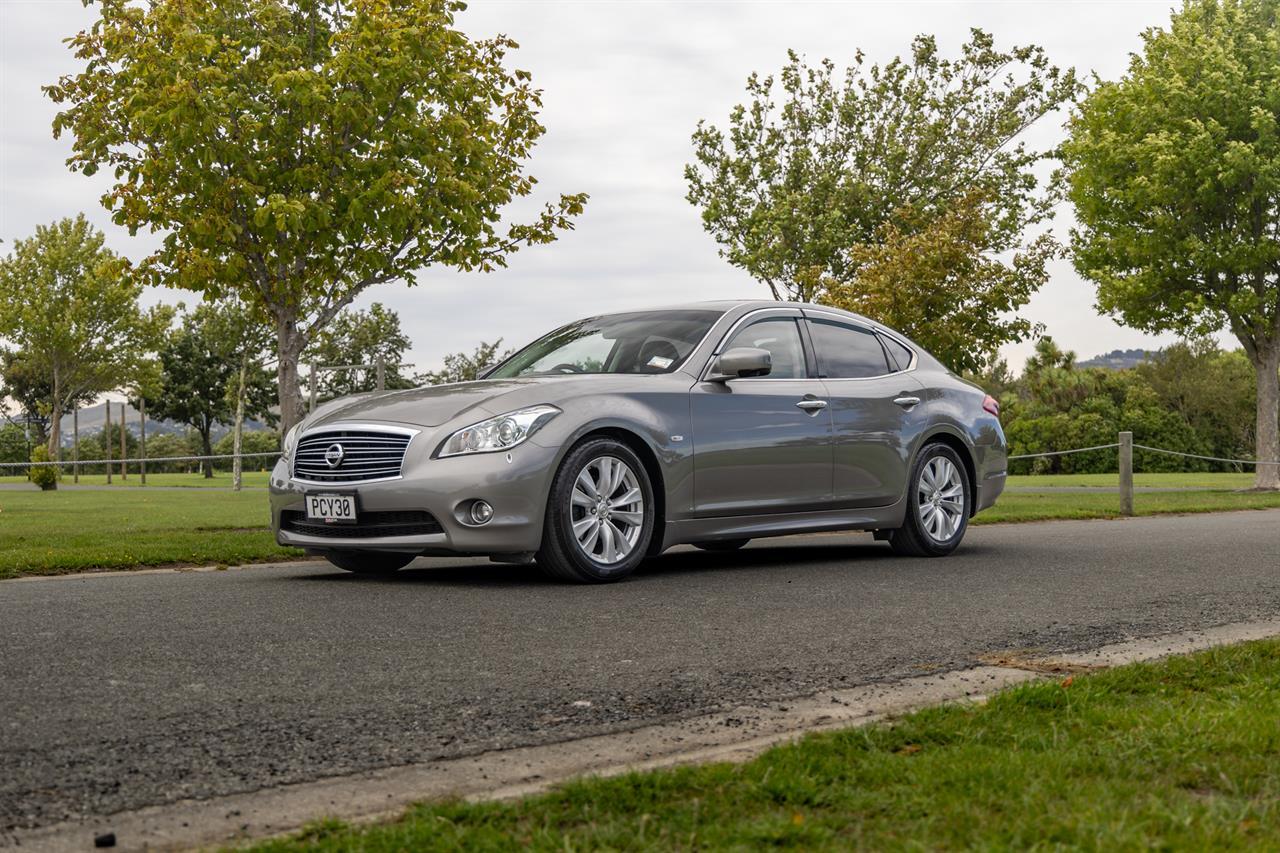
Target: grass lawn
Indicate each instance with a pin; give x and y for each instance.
(1180, 754)
(67, 531)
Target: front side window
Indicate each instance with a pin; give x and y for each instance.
(638, 342)
(781, 337)
(847, 352)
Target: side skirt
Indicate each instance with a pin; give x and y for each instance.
(691, 530)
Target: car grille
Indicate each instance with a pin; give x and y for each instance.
(366, 455)
(371, 525)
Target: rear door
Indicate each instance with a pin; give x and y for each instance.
(763, 444)
(876, 406)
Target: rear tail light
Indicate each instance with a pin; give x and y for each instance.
(991, 405)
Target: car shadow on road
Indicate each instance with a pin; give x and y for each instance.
(835, 553)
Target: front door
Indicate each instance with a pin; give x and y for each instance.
(763, 444)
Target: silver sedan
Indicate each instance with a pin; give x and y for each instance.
(616, 437)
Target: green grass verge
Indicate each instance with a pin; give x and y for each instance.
(66, 531)
(1182, 754)
(1046, 506)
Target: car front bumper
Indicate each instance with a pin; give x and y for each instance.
(514, 483)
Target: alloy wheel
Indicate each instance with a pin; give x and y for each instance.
(607, 509)
(940, 498)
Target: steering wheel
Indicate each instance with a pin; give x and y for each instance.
(567, 368)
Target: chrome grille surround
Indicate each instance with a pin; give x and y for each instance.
(370, 453)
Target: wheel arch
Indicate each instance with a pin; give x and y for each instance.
(648, 458)
(944, 436)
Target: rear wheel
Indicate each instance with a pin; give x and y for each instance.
(722, 545)
(938, 504)
(369, 562)
(599, 514)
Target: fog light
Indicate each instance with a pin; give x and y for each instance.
(481, 512)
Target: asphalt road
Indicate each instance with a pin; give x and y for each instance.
(122, 691)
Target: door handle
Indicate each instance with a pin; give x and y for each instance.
(812, 406)
(906, 401)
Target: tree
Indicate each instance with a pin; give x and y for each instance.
(360, 337)
(942, 284)
(32, 392)
(198, 367)
(918, 154)
(73, 317)
(1175, 176)
(298, 152)
(463, 367)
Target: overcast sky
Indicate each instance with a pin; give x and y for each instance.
(625, 82)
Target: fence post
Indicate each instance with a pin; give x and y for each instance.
(75, 443)
(1126, 473)
(124, 448)
(142, 438)
(311, 389)
(382, 374)
(106, 441)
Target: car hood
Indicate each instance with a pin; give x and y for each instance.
(437, 404)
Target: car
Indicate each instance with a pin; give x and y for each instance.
(616, 437)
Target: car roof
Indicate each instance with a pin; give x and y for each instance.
(742, 306)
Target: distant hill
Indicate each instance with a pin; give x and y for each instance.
(93, 418)
(1117, 359)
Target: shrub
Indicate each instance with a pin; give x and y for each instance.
(44, 476)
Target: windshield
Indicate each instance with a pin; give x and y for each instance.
(640, 342)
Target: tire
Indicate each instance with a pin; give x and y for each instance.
(578, 499)
(369, 562)
(935, 530)
(722, 545)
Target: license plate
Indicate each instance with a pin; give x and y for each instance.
(331, 509)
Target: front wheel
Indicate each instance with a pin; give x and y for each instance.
(369, 562)
(938, 504)
(600, 514)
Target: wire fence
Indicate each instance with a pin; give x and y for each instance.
(137, 461)
(1116, 444)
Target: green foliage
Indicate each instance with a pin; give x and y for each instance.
(33, 392)
(44, 476)
(1055, 405)
(465, 367)
(1174, 172)
(73, 315)
(200, 364)
(942, 284)
(253, 441)
(297, 152)
(866, 181)
(360, 337)
(13, 446)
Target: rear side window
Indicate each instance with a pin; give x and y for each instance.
(897, 352)
(847, 352)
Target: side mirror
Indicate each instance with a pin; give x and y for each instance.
(483, 373)
(741, 362)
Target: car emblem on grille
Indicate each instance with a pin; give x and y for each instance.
(334, 455)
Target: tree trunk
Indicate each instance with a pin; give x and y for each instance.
(55, 426)
(289, 344)
(206, 449)
(1268, 368)
(236, 467)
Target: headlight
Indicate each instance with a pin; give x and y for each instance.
(500, 433)
(290, 442)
